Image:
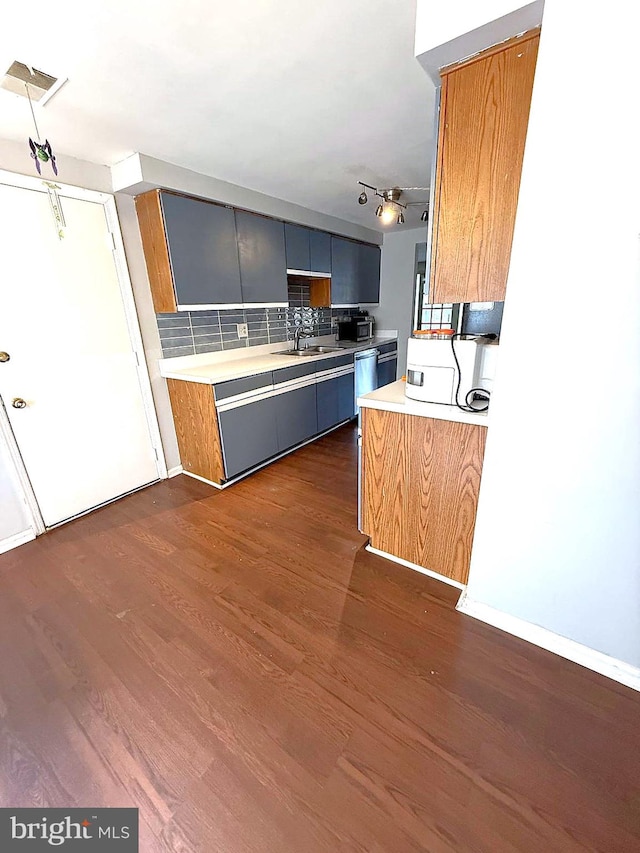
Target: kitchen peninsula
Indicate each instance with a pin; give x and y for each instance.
(420, 469)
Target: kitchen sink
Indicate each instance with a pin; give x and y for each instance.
(310, 351)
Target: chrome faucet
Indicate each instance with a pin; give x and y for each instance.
(298, 333)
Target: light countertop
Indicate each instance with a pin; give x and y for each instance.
(219, 367)
(391, 398)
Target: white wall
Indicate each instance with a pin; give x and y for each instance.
(558, 530)
(397, 285)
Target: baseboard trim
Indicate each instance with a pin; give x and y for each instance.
(173, 472)
(617, 670)
(14, 541)
(202, 479)
(414, 566)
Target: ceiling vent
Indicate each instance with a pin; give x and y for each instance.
(42, 87)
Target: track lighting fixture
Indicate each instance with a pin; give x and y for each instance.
(391, 208)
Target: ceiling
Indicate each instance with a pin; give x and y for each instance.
(297, 100)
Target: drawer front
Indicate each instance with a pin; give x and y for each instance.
(390, 347)
(297, 371)
(336, 361)
(241, 386)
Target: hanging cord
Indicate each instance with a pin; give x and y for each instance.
(467, 407)
(35, 123)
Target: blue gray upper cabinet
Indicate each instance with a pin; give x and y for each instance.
(201, 240)
(263, 265)
(319, 251)
(368, 273)
(344, 271)
(307, 250)
(297, 242)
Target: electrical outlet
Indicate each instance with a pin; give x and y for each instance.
(243, 331)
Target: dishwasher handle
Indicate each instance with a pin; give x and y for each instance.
(370, 353)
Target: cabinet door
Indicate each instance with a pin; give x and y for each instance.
(368, 273)
(263, 265)
(346, 397)
(201, 238)
(483, 126)
(327, 403)
(421, 505)
(248, 435)
(344, 271)
(387, 372)
(297, 245)
(320, 251)
(296, 416)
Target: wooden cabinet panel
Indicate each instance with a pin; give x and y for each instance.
(194, 416)
(420, 482)
(483, 125)
(156, 252)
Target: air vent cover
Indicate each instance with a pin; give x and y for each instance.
(42, 86)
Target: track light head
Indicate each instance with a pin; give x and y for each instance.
(425, 215)
(379, 210)
(362, 198)
(401, 218)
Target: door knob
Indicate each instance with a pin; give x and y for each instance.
(19, 403)
(4, 356)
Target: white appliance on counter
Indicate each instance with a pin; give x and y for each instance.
(432, 374)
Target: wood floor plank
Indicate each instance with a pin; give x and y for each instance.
(237, 666)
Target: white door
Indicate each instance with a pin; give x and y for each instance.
(83, 433)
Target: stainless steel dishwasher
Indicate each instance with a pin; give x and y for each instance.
(366, 367)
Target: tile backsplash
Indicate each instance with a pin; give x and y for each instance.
(191, 332)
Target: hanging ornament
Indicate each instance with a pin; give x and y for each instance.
(40, 151)
(56, 208)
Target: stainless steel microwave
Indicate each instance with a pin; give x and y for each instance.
(355, 329)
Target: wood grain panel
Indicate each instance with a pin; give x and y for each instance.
(483, 127)
(196, 423)
(156, 252)
(420, 488)
(320, 293)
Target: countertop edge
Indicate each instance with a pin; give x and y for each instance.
(224, 371)
(391, 398)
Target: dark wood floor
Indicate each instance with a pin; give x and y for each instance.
(239, 668)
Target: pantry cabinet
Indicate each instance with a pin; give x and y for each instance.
(484, 112)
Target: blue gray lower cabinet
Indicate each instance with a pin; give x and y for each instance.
(296, 418)
(248, 435)
(387, 372)
(335, 401)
